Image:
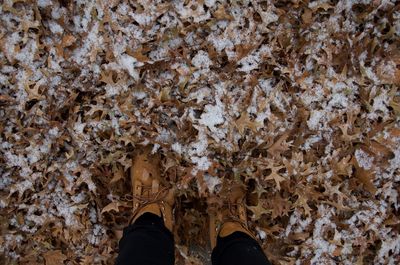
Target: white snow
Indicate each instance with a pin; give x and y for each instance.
(220, 43)
(128, 63)
(339, 100)
(363, 159)
(201, 60)
(315, 118)
(55, 28)
(21, 187)
(202, 163)
(44, 3)
(64, 155)
(212, 116)
(209, 3)
(199, 147)
(211, 182)
(320, 244)
(142, 18)
(93, 40)
(266, 85)
(261, 234)
(249, 63)
(310, 141)
(177, 147)
(53, 132)
(389, 248)
(381, 102)
(27, 54)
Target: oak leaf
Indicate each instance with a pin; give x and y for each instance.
(245, 122)
(138, 55)
(275, 176)
(54, 257)
(221, 13)
(343, 167)
(307, 16)
(279, 206)
(346, 136)
(322, 5)
(302, 202)
(299, 236)
(279, 146)
(68, 40)
(258, 210)
(365, 177)
(118, 174)
(388, 72)
(113, 206)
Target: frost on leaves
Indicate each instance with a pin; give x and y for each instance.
(296, 100)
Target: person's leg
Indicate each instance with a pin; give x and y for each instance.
(231, 240)
(146, 242)
(238, 248)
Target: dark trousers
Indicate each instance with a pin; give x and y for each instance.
(149, 242)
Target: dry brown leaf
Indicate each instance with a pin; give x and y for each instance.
(276, 177)
(118, 174)
(279, 146)
(299, 236)
(366, 177)
(221, 13)
(302, 202)
(388, 72)
(245, 122)
(307, 16)
(279, 206)
(113, 206)
(323, 5)
(344, 166)
(54, 257)
(138, 55)
(337, 252)
(68, 40)
(258, 210)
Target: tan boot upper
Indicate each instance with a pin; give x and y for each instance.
(150, 192)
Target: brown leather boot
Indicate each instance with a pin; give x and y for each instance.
(227, 212)
(150, 192)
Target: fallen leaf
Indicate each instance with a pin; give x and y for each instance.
(307, 16)
(68, 40)
(54, 257)
(221, 13)
(364, 176)
(113, 206)
(258, 211)
(118, 174)
(279, 146)
(245, 122)
(275, 176)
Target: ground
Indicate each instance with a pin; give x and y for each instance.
(297, 100)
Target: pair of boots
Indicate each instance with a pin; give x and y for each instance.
(150, 195)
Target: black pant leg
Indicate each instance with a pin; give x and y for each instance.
(146, 242)
(238, 249)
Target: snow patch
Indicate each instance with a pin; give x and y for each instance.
(202, 163)
(212, 116)
(201, 60)
(363, 159)
(315, 118)
(211, 182)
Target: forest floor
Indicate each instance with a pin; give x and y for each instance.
(297, 100)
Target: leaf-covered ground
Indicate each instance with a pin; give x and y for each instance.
(298, 100)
